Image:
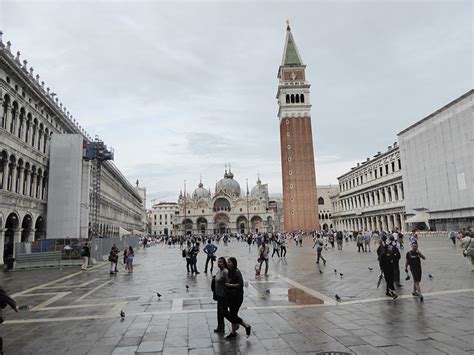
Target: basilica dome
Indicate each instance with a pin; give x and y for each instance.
(201, 192)
(257, 189)
(228, 184)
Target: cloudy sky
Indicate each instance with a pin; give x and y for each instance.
(178, 89)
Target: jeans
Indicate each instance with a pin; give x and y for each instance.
(266, 265)
(283, 251)
(221, 310)
(189, 265)
(320, 257)
(276, 250)
(209, 258)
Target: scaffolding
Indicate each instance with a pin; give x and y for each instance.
(96, 152)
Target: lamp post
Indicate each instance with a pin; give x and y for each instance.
(248, 213)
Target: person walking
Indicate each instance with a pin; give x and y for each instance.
(249, 241)
(339, 240)
(234, 296)
(360, 242)
(367, 237)
(85, 255)
(413, 260)
(188, 253)
(5, 301)
(113, 258)
(194, 253)
(125, 252)
(219, 293)
(264, 250)
(396, 261)
(468, 248)
(386, 265)
(130, 257)
(331, 239)
(209, 250)
(275, 247)
(319, 250)
(283, 246)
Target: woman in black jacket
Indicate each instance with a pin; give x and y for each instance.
(387, 261)
(234, 298)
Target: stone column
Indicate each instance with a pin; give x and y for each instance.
(8, 114)
(31, 235)
(5, 178)
(390, 222)
(403, 226)
(28, 183)
(15, 125)
(33, 185)
(2, 242)
(13, 178)
(22, 177)
(39, 186)
(16, 239)
(2, 112)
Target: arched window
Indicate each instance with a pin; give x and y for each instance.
(320, 201)
(287, 98)
(297, 98)
(302, 98)
(292, 98)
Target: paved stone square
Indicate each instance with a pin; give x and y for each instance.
(78, 312)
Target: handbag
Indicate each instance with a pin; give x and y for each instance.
(467, 251)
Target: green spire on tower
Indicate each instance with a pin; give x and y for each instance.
(291, 55)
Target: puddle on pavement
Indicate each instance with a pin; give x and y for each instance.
(299, 296)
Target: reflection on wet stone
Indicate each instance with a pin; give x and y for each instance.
(299, 296)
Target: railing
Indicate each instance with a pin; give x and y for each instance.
(66, 252)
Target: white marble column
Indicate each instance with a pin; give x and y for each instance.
(8, 114)
(33, 185)
(22, 177)
(31, 235)
(16, 239)
(2, 242)
(13, 183)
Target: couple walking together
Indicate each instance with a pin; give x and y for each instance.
(228, 290)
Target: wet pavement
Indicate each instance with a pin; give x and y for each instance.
(292, 310)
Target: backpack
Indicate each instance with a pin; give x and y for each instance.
(183, 253)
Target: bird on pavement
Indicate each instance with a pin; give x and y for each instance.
(320, 272)
(158, 294)
(430, 276)
(122, 314)
(267, 290)
(337, 297)
(335, 271)
(341, 274)
(187, 288)
(371, 268)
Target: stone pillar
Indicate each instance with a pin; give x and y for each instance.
(15, 125)
(5, 178)
(16, 239)
(390, 222)
(31, 235)
(33, 185)
(39, 186)
(2, 112)
(384, 223)
(13, 178)
(403, 226)
(22, 177)
(2, 242)
(28, 183)
(23, 130)
(8, 114)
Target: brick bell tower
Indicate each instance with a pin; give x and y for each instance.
(300, 208)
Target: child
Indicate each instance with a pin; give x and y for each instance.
(413, 260)
(130, 256)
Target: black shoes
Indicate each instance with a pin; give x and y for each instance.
(248, 330)
(219, 331)
(231, 336)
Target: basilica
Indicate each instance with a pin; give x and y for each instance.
(227, 210)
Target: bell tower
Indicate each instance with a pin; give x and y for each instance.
(300, 207)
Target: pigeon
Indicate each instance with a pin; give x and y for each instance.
(158, 294)
(430, 276)
(267, 290)
(187, 288)
(371, 268)
(341, 274)
(337, 298)
(335, 271)
(122, 314)
(320, 272)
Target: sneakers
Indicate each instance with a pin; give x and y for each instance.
(219, 331)
(231, 336)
